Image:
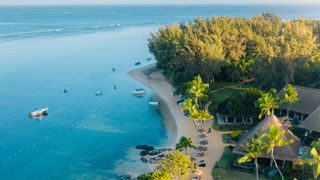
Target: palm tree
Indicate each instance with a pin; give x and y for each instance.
(253, 150)
(244, 66)
(198, 89)
(290, 97)
(274, 138)
(267, 102)
(315, 158)
(315, 161)
(184, 143)
(202, 116)
(194, 113)
(191, 108)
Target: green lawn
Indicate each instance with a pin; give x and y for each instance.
(221, 91)
(222, 171)
(226, 159)
(221, 95)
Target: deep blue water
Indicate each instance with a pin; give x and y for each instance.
(25, 22)
(45, 49)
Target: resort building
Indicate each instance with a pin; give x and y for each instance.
(288, 152)
(224, 118)
(305, 112)
(309, 101)
(281, 154)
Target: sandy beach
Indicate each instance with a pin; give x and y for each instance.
(176, 123)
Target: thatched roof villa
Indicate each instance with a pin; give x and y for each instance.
(286, 153)
(309, 101)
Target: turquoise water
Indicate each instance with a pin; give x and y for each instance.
(83, 135)
(46, 49)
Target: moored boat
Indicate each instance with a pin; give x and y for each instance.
(65, 90)
(98, 93)
(39, 113)
(154, 103)
(139, 92)
(137, 63)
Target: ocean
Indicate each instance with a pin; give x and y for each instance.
(44, 49)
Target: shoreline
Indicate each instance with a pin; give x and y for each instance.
(174, 126)
(176, 123)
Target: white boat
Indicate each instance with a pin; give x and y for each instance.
(39, 113)
(98, 93)
(154, 103)
(139, 92)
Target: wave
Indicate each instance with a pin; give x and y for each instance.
(67, 30)
(105, 26)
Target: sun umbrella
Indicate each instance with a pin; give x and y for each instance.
(203, 142)
(202, 136)
(201, 148)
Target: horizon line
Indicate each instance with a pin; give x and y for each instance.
(156, 4)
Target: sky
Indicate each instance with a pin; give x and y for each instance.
(62, 2)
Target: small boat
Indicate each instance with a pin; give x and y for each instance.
(148, 59)
(137, 63)
(139, 92)
(65, 90)
(113, 69)
(98, 93)
(39, 113)
(154, 103)
(114, 87)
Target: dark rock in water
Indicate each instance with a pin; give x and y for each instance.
(144, 160)
(144, 153)
(145, 147)
(154, 152)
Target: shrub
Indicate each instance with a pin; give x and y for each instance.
(236, 134)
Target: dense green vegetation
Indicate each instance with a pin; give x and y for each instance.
(243, 103)
(172, 166)
(264, 50)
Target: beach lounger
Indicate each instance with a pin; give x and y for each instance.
(200, 154)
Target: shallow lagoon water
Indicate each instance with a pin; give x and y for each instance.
(84, 135)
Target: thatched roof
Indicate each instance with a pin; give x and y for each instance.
(309, 100)
(312, 122)
(288, 152)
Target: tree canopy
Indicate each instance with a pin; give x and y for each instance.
(243, 103)
(264, 48)
(176, 164)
